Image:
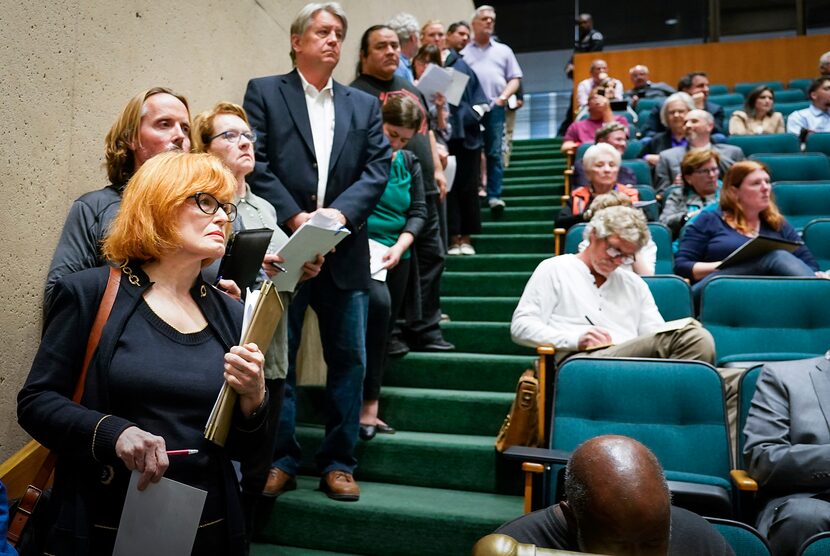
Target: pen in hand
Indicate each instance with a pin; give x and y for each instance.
(589, 320)
(182, 452)
(278, 267)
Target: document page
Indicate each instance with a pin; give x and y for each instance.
(161, 520)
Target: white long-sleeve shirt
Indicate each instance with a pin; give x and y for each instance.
(562, 295)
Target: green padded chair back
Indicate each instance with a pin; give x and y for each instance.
(802, 84)
(746, 88)
(646, 105)
(674, 407)
(744, 540)
(718, 89)
(817, 545)
(789, 95)
(573, 238)
(665, 255)
(647, 194)
(773, 143)
(816, 236)
(746, 389)
(672, 295)
(802, 202)
(796, 167)
(818, 143)
(641, 170)
(764, 318)
(632, 151)
(729, 99)
(787, 108)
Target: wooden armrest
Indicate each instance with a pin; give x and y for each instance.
(545, 350)
(564, 199)
(743, 481)
(530, 469)
(20, 469)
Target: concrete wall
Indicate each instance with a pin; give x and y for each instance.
(68, 67)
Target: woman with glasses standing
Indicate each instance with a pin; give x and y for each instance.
(700, 189)
(168, 346)
(224, 132)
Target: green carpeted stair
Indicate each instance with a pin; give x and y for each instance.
(437, 485)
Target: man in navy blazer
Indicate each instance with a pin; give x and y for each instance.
(305, 122)
(787, 451)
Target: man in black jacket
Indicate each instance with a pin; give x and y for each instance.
(153, 121)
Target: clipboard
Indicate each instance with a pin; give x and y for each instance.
(243, 256)
(758, 247)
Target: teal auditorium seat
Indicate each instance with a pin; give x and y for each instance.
(646, 105)
(746, 390)
(789, 95)
(674, 407)
(659, 233)
(647, 195)
(796, 167)
(672, 295)
(744, 540)
(802, 202)
(763, 318)
(818, 143)
(718, 89)
(802, 84)
(778, 143)
(817, 545)
(816, 236)
(747, 87)
(728, 99)
(632, 151)
(641, 170)
(787, 108)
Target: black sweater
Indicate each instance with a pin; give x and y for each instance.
(84, 436)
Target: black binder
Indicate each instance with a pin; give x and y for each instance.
(243, 256)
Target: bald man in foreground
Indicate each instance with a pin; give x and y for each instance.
(618, 503)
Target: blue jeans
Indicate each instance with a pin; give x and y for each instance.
(774, 263)
(493, 122)
(342, 315)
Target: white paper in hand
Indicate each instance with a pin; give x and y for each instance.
(435, 79)
(318, 235)
(161, 520)
(456, 88)
(376, 252)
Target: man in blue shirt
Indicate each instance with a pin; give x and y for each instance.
(816, 117)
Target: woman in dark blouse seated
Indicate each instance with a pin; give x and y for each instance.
(700, 189)
(602, 166)
(167, 348)
(746, 211)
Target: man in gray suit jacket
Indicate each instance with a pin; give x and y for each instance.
(699, 125)
(787, 450)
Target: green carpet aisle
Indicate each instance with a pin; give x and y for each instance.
(432, 488)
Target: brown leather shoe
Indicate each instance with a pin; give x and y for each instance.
(278, 482)
(339, 485)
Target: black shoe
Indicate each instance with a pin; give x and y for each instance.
(396, 347)
(367, 432)
(385, 429)
(439, 344)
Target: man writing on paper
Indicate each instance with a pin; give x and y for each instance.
(321, 148)
(583, 302)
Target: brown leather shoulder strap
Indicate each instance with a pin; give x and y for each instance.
(29, 501)
(104, 310)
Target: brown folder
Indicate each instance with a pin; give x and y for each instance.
(266, 314)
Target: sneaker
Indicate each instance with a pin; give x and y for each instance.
(496, 207)
(454, 250)
(467, 249)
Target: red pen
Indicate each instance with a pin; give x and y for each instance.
(182, 452)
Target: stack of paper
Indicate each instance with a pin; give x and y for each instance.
(263, 311)
(446, 81)
(318, 235)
